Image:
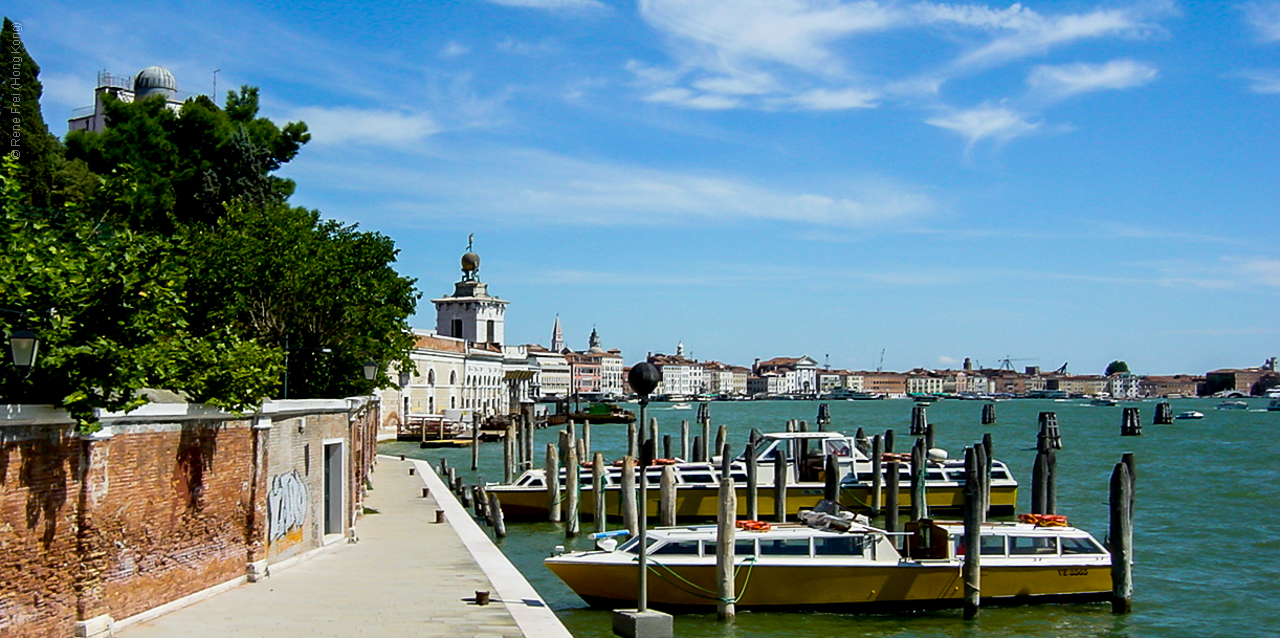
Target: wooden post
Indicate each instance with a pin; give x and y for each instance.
(861, 442)
(919, 471)
(877, 474)
(988, 451)
(631, 439)
(475, 446)
(667, 497)
(480, 500)
(1051, 482)
(628, 481)
(722, 435)
(444, 466)
(918, 420)
(972, 531)
(888, 441)
(1128, 459)
(699, 455)
(1130, 422)
(753, 484)
(598, 491)
(653, 430)
(725, 542)
(464, 495)
(929, 438)
(726, 460)
(495, 509)
(1164, 414)
(508, 463)
(1121, 535)
(666, 446)
(983, 478)
(552, 479)
(1039, 482)
(573, 484)
(831, 486)
(891, 500)
(988, 413)
(705, 455)
(584, 452)
(780, 484)
(684, 441)
(528, 443)
(803, 426)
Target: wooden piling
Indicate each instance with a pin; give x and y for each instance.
(667, 497)
(1051, 482)
(508, 463)
(1130, 422)
(573, 484)
(495, 513)
(988, 413)
(666, 446)
(888, 441)
(722, 435)
(628, 488)
(831, 483)
(973, 516)
(861, 442)
(780, 484)
(988, 452)
(1121, 535)
(919, 471)
(1040, 483)
(929, 439)
(699, 454)
(983, 477)
(1164, 414)
(480, 501)
(552, 479)
(753, 484)
(475, 445)
(585, 452)
(705, 455)
(725, 541)
(631, 439)
(597, 491)
(918, 420)
(684, 441)
(803, 426)
(891, 498)
(877, 474)
(824, 417)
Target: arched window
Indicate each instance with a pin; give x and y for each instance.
(453, 377)
(431, 377)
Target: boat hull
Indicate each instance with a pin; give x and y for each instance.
(871, 588)
(702, 502)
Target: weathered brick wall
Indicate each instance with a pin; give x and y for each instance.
(150, 512)
(39, 487)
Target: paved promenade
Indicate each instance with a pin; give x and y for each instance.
(408, 576)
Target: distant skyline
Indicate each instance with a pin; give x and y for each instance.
(1050, 182)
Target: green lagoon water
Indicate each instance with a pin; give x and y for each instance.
(1207, 541)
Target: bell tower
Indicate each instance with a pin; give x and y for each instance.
(470, 313)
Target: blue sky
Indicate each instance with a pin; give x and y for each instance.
(1051, 181)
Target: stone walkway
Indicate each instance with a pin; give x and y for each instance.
(408, 576)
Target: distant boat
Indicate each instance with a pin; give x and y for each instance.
(1190, 414)
(681, 406)
(1233, 405)
(1274, 405)
(1104, 401)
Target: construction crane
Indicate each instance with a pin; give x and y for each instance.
(880, 366)
(1063, 369)
(1007, 362)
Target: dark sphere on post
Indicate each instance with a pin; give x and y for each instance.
(644, 378)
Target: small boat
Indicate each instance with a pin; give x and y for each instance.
(1232, 405)
(1103, 401)
(681, 406)
(595, 413)
(1274, 405)
(1190, 414)
(698, 483)
(839, 563)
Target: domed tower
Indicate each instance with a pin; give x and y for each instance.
(155, 80)
(470, 313)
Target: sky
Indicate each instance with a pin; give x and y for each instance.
(869, 183)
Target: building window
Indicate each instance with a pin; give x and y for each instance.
(431, 377)
(490, 330)
(457, 328)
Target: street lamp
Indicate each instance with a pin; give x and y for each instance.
(370, 370)
(24, 344)
(644, 378)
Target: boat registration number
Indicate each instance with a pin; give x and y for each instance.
(1074, 571)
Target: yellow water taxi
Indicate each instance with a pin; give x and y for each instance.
(851, 567)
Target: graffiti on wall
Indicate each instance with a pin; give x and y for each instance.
(287, 504)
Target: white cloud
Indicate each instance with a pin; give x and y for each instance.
(366, 127)
(1261, 271)
(1264, 82)
(984, 122)
(831, 100)
(1264, 17)
(454, 49)
(551, 4)
(1034, 34)
(1073, 79)
(684, 97)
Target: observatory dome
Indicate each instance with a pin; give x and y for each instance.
(154, 80)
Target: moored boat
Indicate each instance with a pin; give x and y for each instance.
(594, 413)
(846, 567)
(697, 484)
(1190, 414)
(1232, 405)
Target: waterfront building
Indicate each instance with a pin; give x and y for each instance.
(921, 381)
(1077, 384)
(681, 377)
(1247, 381)
(800, 374)
(1179, 384)
(887, 383)
(1124, 385)
(552, 379)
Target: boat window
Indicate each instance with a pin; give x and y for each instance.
(784, 547)
(1081, 546)
(935, 474)
(536, 482)
(838, 546)
(1000, 473)
(1023, 545)
(524, 480)
(741, 547)
(688, 548)
(739, 477)
(837, 447)
(993, 546)
(698, 478)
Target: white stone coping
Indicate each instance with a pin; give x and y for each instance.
(534, 617)
(26, 414)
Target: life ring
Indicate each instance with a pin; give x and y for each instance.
(1043, 520)
(753, 526)
(664, 461)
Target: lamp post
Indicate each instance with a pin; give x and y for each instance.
(644, 379)
(24, 344)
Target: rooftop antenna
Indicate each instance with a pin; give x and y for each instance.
(880, 366)
(215, 85)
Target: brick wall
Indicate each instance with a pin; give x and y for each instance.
(153, 509)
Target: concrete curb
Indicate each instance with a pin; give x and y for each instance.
(528, 609)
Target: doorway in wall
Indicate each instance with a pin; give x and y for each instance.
(334, 466)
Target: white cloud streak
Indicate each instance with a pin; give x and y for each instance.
(1264, 17)
(551, 5)
(366, 127)
(1056, 82)
(986, 122)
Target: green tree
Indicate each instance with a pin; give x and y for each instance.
(189, 163)
(325, 292)
(30, 142)
(109, 306)
(1117, 366)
